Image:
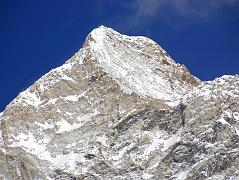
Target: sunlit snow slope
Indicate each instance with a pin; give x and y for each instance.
(139, 65)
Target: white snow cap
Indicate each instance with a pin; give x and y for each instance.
(129, 60)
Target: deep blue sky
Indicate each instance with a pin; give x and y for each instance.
(38, 35)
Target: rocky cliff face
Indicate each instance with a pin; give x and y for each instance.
(121, 108)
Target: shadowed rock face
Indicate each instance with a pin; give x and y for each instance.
(121, 108)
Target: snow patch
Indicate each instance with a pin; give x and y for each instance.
(46, 125)
(67, 161)
(64, 126)
(52, 101)
(74, 97)
(182, 175)
(172, 140)
(29, 143)
(102, 139)
(39, 148)
(147, 176)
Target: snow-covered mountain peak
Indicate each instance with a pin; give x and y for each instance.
(104, 115)
(136, 63)
(98, 34)
(139, 65)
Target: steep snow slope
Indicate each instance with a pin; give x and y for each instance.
(139, 65)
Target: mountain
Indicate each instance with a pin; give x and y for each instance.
(122, 108)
